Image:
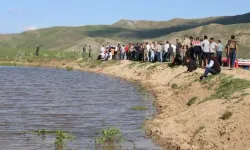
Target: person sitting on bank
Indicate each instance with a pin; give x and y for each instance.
(191, 65)
(213, 67)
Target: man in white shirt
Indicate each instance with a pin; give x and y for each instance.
(206, 50)
(152, 52)
(165, 53)
(213, 67)
(123, 52)
(146, 52)
(213, 46)
(102, 49)
(172, 54)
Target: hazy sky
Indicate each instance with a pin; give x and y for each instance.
(20, 15)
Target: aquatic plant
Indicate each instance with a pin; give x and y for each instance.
(61, 137)
(109, 136)
(141, 108)
(69, 68)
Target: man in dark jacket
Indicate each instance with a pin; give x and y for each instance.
(213, 67)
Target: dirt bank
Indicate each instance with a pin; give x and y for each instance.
(191, 115)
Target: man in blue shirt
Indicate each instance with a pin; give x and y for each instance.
(219, 52)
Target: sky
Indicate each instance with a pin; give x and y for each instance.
(21, 15)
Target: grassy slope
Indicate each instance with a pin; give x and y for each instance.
(73, 38)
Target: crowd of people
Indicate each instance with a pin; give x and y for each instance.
(193, 52)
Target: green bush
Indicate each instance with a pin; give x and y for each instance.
(109, 136)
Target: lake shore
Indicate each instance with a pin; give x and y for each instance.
(187, 117)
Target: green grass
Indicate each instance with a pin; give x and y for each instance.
(139, 108)
(192, 101)
(226, 115)
(132, 64)
(109, 136)
(7, 54)
(62, 138)
(69, 68)
(174, 86)
(153, 67)
(227, 87)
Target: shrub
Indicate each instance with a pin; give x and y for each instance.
(109, 136)
(226, 115)
(192, 101)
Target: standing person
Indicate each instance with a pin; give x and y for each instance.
(178, 47)
(90, 51)
(146, 52)
(117, 53)
(219, 52)
(127, 51)
(137, 52)
(123, 52)
(83, 50)
(190, 51)
(213, 67)
(171, 52)
(197, 50)
(152, 52)
(37, 50)
(227, 53)
(159, 52)
(206, 53)
(212, 46)
(166, 52)
(185, 46)
(233, 50)
(142, 48)
(102, 49)
(102, 52)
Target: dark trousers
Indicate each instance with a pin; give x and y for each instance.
(128, 55)
(199, 56)
(206, 56)
(210, 70)
(37, 51)
(219, 57)
(232, 56)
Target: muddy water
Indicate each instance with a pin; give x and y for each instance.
(77, 102)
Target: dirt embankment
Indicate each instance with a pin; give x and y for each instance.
(191, 115)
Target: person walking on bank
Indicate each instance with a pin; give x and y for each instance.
(83, 50)
(37, 50)
(90, 51)
(219, 52)
(233, 50)
(213, 67)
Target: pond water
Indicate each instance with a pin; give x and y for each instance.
(77, 102)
